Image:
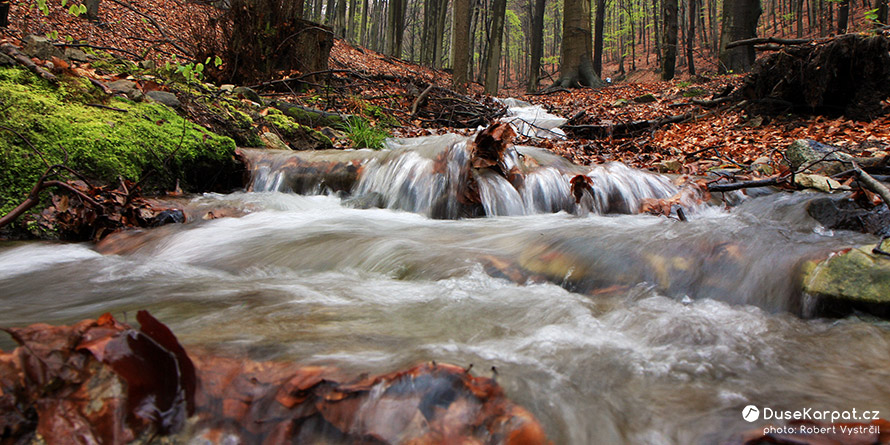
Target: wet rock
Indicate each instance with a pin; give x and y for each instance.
(645, 99)
(857, 279)
(842, 213)
(40, 47)
(371, 200)
(817, 157)
(165, 97)
(272, 141)
(818, 182)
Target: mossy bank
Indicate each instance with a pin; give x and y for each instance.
(103, 138)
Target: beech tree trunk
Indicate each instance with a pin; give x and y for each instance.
(537, 43)
(395, 27)
(739, 23)
(460, 44)
(669, 47)
(690, 36)
(4, 14)
(492, 69)
(576, 65)
(843, 16)
(598, 25)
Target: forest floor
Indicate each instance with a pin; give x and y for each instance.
(713, 138)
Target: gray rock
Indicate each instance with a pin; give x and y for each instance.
(40, 47)
(77, 55)
(249, 94)
(165, 97)
(6, 60)
(147, 64)
(122, 86)
(821, 158)
(332, 133)
(228, 88)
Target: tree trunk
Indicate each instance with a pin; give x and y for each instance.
(798, 12)
(329, 12)
(739, 23)
(92, 9)
(492, 69)
(690, 36)
(362, 38)
(4, 14)
(655, 27)
(669, 47)
(340, 19)
(439, 35)
(881, 6)
(598, 25)
(537, 43)
(351, 28)
(576, 65)
(460, 40)
(843, 16)
(395, 27)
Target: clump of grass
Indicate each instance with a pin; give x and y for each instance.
(363, 135)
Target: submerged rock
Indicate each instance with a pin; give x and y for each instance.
(843, 213)
(856, 279)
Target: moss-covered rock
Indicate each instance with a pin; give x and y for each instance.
(129, 140)
(300, 137)
(858, 278)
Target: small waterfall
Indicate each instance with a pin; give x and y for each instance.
(433, 176)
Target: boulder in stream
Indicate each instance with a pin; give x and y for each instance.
(855, 279)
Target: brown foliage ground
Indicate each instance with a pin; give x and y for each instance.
(723, 136)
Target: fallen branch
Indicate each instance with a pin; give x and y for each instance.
(766, 40)
(33, 197)
(106, 107)
(13, 52)
(745, 184)
(872, 184)
(420, 100)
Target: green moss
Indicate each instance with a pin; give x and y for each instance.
(291, 130)
(97, 142)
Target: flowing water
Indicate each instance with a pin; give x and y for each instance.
(610, 328)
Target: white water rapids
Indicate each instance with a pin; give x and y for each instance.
(627, 329)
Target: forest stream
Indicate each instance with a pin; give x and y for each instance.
(609, 327)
